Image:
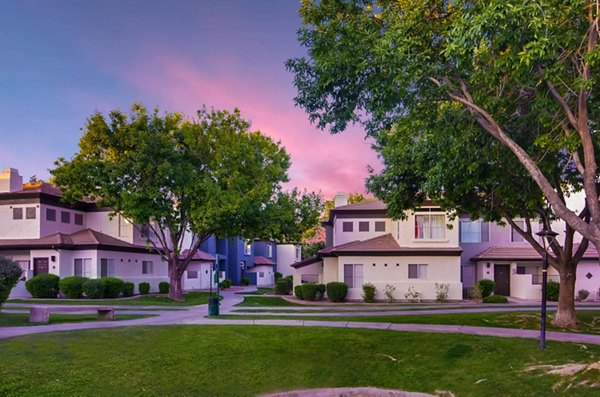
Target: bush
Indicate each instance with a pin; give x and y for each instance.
(72, 287)
(321, 288)
(144, 288)
(278, 276)
(369, 291)
(290, 281)
(94, 288)
(476, 294)
(337, 291)
(10, 272)
(487, 287)
(582, 294)
(552, 291)
(227, 283)
(245, 281)
(163, 287)
(298, 292)
(128, 289)
(495, 299)
(309, 291)
(412, 295)
(441, 292)
(388, 291)
(43, 286)
(112, 287)
(282, 287)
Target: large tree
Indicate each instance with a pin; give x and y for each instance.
(521, 72)
(207, 175)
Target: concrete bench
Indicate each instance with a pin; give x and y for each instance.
(41, 314)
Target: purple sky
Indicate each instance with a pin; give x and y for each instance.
(62, 60)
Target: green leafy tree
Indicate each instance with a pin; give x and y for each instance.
(516, 77)
(209, 175)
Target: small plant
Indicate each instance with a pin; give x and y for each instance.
(321, 288)
(298, 292)
(582, 294)
(227, 283)
(290, 281)
(369, 291)
(476, 294)
(337, 291)
(412, 295)
(112, 287)
(552, 291)
(388, 292)
(43, 286)
(128, 289)
(309, 291)
(441, 292)
(278, 276)
(245, 281)
(144, 288)
(282, 287)
(487, 287)
(10, 272)
(163, 287)
(72, 287)
(94, 288)
(495, 299)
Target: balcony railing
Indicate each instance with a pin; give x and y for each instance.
(536, 279)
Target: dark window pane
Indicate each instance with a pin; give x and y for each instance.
(380, 226)
(17, 213)
(30, 212)
(413, 271)
(65, 217)
(349, 275)
(78, 219)
(485, 232)
(363, 226)
(50, 214)
(347, 226)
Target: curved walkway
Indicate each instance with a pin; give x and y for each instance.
(197, 315)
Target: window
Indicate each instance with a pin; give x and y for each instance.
(417, 271)
(347, 227)
(269, 250)
(261, 274)
(124, 226)
(353, 275)
(83, 267)
(65, 217)
(17, 213)
(192, 274)
(363, 226)
(146, 267)
(107, 267)
(380, 226)
(145, 231)
(474, 232)
(515, 237)
(429, 227)
(50, 215)
(30, 213)
(248, 247)
(298, 252)
(78, 219)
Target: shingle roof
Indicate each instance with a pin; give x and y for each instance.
(523, 254)
(198, 256)
(365, 206)
(261, 260)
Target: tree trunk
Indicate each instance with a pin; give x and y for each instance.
(565, 315)
(175, 290)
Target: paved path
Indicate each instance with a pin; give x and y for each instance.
(197, 314)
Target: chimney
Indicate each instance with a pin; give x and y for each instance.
(340, 199)
(10, 181)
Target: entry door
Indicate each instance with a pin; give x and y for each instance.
(40, 266)
(502, 279)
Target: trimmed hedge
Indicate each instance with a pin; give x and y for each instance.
(128, 289)
(369, 291)
(298, 292)
(94, 288)
(282, 287)
(113, 287)
(43, 286)
(72, 287)
(278, 276)
(309, 291)
(495, 299)
(227, 283)
(10, 273)
(487, 287)
(552, 291)
(163, 287)
(321, 289)
(144, 288)
(245, 281)
(337, 291)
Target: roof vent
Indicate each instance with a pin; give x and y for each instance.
(10, 181)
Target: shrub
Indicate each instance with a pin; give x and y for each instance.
(552, 291)
(112, 287)
(337, 291)
(495, 299)
(10, 272)
(278, 276)
(144, 288)
(43, 286)
(369, 291)
(227, 283)
(441, 292)
(245, 281)
(290, 281)
(298, 291)
(128, 289)
(309, 291)
(487, 287)
(582, 294)
(413, 295)
(163, 287)
(388, 292)
(476, 294)
(321, 288)
(94, 288)
(72, 287)
(282, 287)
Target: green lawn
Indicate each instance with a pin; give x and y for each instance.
(191, 299)
(246, 361)
(265, 301)
(259, 291)
(22, 319)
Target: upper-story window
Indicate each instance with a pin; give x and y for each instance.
(298, 252)
(248, 247)
(30, 213)
(78, 219)
(269, 250)
(17, 213)
(65, 217)
(430, 227)
(123, 226)
(474, 231)
(347, 226)
(50, 215)
(363, 226)
(515, 237)
(380, 226)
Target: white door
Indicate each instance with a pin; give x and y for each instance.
(205, 276)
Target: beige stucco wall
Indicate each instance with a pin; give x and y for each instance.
(19, 228)
(315, 268)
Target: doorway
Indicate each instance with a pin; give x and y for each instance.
(502, 279)
(40, 266)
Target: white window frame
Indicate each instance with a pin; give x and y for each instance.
(248, 247)
(421, 270)
(479, 233)
(86, 267)
(147, 267)
(123, 226)
(356, 278)
(269, 250)
(110, 267)
(427, 232)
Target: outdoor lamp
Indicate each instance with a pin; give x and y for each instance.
(548, 237)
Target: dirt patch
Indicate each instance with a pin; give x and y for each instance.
(352, 392)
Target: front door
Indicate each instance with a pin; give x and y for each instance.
(40, 266)
(502, 279)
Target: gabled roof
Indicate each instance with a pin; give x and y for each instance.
(261, 260)
(364, 206)
(497, 253)
(198, 256)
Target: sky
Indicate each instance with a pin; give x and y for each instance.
(60, 61)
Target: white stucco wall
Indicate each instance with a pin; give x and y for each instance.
(286, 257)
(341, 237)
(314, 269)
(50, 227)
(19, 228)
(268, 275)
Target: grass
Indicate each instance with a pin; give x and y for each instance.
(259, 291)
(191, 299)
(265, 301)
(22, 319)
(190, 360)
